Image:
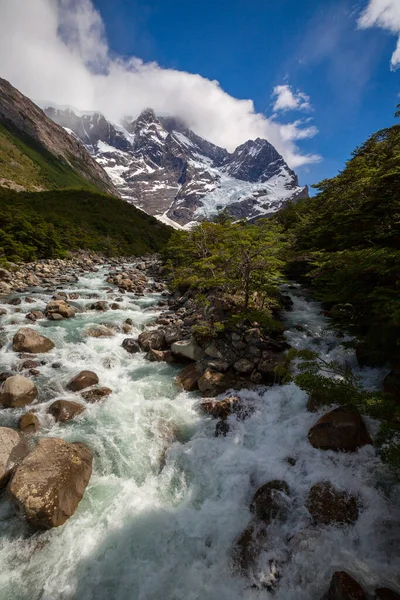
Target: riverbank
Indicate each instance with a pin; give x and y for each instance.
(168, 500)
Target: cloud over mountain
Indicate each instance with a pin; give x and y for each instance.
(384, 14)
(57, 50)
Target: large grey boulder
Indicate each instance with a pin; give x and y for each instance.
(187, 349)
(30, 340)
(13, 448)
(17, 391)
(50, 481)
(154, 339)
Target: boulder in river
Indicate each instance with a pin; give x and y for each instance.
(329, 506)
(34, 315)
(221, 409)
(13, 448)
(30, 340)
(244, 365)
(49, 483)
(339, 429)
(17, 391)
(344, 587)
(64, 410)
(83, 380)
(96, 394)
(188, 349)
(59, 307)
(152, 339)
(160, 356)
(131, 345)
(270, 501)
(189, 376)
(100, 331)
(28, 423)
(100, 306)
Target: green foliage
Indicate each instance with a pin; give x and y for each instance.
(262, 318)
(388, 444)
(205, 330)
(48, 224)
(234, 258)
(27, 163)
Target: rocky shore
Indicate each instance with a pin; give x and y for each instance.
(45, 481)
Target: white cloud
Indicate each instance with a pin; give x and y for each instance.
(296, 131)
(56, 50)
(286, 99)
(384, 14)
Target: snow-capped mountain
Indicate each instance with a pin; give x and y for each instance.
(168, 171)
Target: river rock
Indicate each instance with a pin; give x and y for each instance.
(221, 409)
(59, 307)
(30, 364)
(13, 448)
(30, 340)
(268, 503)
(64, 410)
(188, 349)
(131, 345)
(28, 423)
(159, 356)
(101, 306)
(339, 429)
(344, 587)
(329, 506)
(189, 376)
(213, 383)
(100, 331)
(34, 315)
(244, 365)
(17, 391)
(96, 394)
(50, 481)
(83, 380)
(248, 546)
(172, 334)
(386, 594)
(154, 339)
(391, 384)
(222, 428)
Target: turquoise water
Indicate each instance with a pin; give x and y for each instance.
(142, 533)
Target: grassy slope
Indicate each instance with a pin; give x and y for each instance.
(46, 224)
(28, 164)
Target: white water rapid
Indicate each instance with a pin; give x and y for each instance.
(144, 534)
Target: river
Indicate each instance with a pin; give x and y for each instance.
(145, 533)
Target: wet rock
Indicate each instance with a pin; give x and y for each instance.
(3, 311)
(222, 429)
(386, 594)
(96, 394)
(17, 391)
(34, 315)
(154, 339)
(5, 375)
(13, 448)
(30, 364)
(126, 328)
(268, 503)
(131, 345)
(188, 349)
(100, 331)
(269, 362)
(248, 546)
(30, 340)
(160, 356)
(391, 384)
(50, 481)
(64, 410)
(172, 334)
(100, 306)
(213, 383)
(339, 429)
(59, 307)
(83, 380)
(329, 506)
(344, 587)
(15, 301)
(243, 365)
(221, 409)
(188, 378)
(28, 423)
(114, 306)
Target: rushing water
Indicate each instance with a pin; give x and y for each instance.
(141, 533)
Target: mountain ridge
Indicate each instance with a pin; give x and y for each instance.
(167, 170)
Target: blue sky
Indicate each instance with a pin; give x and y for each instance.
(216, 64)
(252, 46)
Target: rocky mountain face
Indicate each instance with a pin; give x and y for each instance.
(168, 171)
(37, 153)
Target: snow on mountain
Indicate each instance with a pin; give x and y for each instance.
(168, 171)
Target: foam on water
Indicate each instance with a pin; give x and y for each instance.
(142, 534)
